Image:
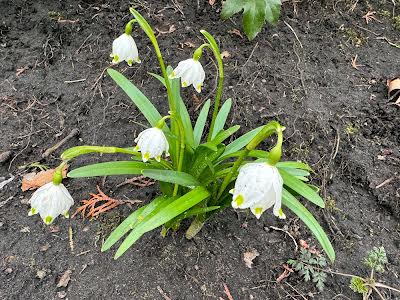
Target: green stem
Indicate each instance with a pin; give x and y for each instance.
(150, 33)
(273, 157)
(215, 49)
(181, 150)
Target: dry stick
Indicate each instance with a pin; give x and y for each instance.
(227, 292)
(162, 293)
(294, 32)
(293, 239)
(49, 151)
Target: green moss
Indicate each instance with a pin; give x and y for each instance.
(384, 13)
(396, 22)
(351, 129)
(356, 38)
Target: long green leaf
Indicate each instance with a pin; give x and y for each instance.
(297, 208)
(177, 177)
(293, 165)
(169, 212)
(141, 101)
(301, 188)
(242, 141)
(181, 109)
(111, 168)
(220, 120)
(222, 136)
(200, 123)
(136, 217)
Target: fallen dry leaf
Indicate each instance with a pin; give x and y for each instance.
(171, 29)
(33, 181)
(236, 32)
(225, 54)
(249, 256)
(211, 2)
(188, 45)
(394, 90)
(65, 278)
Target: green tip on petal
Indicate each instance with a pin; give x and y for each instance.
(258, 211)
(281, 215)
(146, 156)
(130, 62)
(116, 58)
(239, 200)
(66, 214)
(158, 158)
(184, 84)
(48, 220)
(137, 59)
(32, 212)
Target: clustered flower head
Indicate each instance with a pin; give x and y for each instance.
(50, 201)
(152, 143)
(258, 187)
(191, 72)
(124, 49)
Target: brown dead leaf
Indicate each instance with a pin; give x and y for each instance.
(285, 274)
(394, 90)
(171, 29)
(188, 45)
(249, 256)
(225, 54)
(211, 2)
(33, 181)
(236, 32)
(65, 278)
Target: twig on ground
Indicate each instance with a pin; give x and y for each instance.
(163, 293)
(49, 151)
(227, 292)
(387, 181)
(295, 34)
(291, 236)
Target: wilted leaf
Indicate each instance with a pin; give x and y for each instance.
(236, 32)
(33, 181)
(225, 54)
(211, 2)
(394, 90)
(65, 278)
(249, 256)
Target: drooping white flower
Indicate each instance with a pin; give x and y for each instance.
(152, 143)
(124, 49)
(191, 72)
(50, 201)
(258, 187)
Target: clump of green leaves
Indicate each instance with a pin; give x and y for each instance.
(376, 259)
(308, 265)
(255, 13)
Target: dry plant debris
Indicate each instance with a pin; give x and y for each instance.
(65, 278)
(98, 204)
(249, 256)
(394, 90)
(33, 180)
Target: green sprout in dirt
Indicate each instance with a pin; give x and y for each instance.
(311, 265)
(308, 265)
(200, 172)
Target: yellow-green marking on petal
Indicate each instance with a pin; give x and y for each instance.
(239, 200)
(116, 58)
(130, 62)
(32, 212)
(146, 156)
(258, 211)
(48, 220)
(184, 84)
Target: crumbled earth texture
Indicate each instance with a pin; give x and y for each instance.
(53, 57)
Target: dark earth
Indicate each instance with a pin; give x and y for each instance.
(52, 60)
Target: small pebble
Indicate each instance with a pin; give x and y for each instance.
(41, 274)
(61, 294)
(8, 270)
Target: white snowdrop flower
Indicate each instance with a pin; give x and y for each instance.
(258, 187)
(124, 49)
(152, 143)
(50, 201)
(191, 72)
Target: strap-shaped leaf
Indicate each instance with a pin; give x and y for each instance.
(298, 209)
(202, 160)
(242, 141)
(220, 120)
(200, 123)
(134, 219)
(177, 177)
(111, 168)
(138, 98)
(293, 165)
(222, 136)
(301, 188)
(169, 212)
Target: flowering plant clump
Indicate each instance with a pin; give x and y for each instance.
(199, 172)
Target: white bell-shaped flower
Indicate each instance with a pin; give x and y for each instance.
(124, 49)
(152, 143)
(258, 187)
(50, 201)
(191, 72)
